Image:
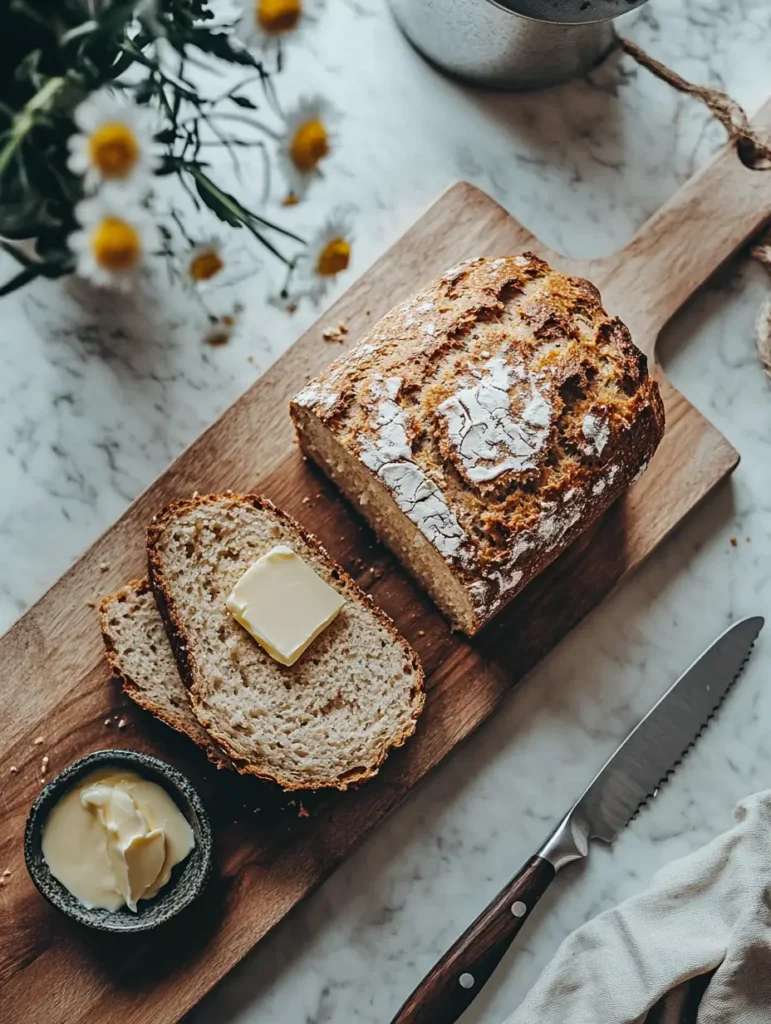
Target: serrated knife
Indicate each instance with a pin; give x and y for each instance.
(645, 759)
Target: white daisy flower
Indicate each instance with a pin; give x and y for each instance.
(306, 140)
(114, 241)
(204, 262)
(328, 254)
(264, 23)
(221, 329)
(115, 143)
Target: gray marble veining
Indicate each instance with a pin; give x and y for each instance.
(97, 396)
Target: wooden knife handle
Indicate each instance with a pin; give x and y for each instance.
(466, 967)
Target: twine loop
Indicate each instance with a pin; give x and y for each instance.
(753, 149)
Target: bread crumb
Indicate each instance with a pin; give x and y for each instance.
(14, 770)
(104, 566)
(122, 723)
(6, 873)
(37, 741)
(302, 811)
(91, 604)
(107, 721)
(306, 500)
(421, 632)
(44, 764)
(318, 494)
(333, 334)
(734, 542)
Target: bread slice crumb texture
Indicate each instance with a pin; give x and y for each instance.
(331, 718)
(139, 655)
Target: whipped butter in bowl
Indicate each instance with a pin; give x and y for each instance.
(119, 841)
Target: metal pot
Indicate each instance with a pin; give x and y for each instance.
(512, 44)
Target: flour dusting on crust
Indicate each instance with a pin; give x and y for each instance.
(314, 394)
(597, 433)
(488, 436)
(504, 410)
(389, 454)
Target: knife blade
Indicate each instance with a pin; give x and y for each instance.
(640, 765)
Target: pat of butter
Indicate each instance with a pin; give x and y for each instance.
(283, 603)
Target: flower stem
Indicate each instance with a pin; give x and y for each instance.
(25, 120)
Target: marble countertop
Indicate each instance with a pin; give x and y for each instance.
(98, 395)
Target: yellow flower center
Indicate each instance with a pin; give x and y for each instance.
(116, 245)
(113, 150)
(205, 265)
(309, 145)
(277, 16)
(333, 258)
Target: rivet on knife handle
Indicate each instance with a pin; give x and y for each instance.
(456, 979)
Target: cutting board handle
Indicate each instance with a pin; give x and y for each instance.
(685, 242)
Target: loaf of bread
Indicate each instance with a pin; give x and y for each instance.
(330, 719)
(482, 425)
(139, 655)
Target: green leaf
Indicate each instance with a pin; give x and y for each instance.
(17, 254)
(27, 218)
(219, 45)
(225, 206)
(228, 209)
(27, 69)
(242, 101)
(23, 277)
(34, 270)
(167, 136)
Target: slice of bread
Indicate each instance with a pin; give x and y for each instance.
(330, 719)
(139, 655)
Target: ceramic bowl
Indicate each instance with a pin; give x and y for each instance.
(188, 878)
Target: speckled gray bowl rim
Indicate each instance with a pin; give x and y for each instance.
(188, 878)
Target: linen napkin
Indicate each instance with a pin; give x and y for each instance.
(693, 948)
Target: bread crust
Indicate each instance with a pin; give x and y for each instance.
(507, 398)
(186, 660)
(132, 689)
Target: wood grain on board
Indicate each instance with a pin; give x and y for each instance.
(54, 682)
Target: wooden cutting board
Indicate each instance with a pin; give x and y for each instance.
(54, 682)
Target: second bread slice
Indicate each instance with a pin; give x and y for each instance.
(327, 721)
(139, 655)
